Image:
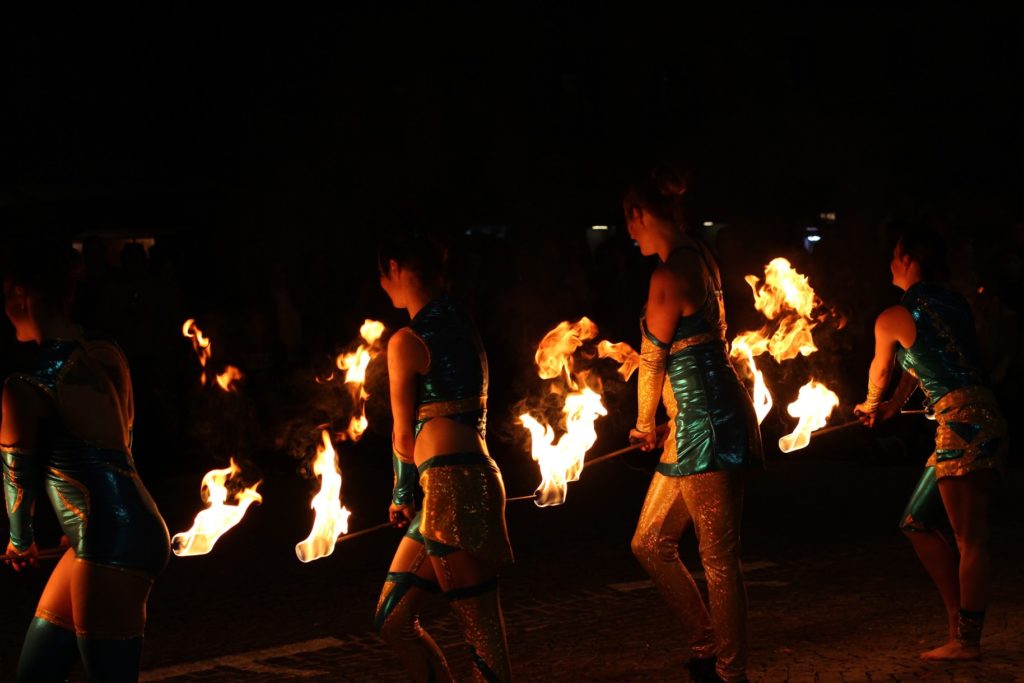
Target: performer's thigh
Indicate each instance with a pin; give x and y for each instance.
(55, 602)
(460, 569)
(109, 602)
(664, 513)
(966, 500)
(715, 500)
(411, 557)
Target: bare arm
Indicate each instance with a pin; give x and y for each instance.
(894, 328)
(664, 302)
(407, 357)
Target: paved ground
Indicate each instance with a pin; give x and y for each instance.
(835, 592)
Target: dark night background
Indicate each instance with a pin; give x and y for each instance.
(257, 156)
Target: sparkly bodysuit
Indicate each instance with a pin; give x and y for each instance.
(463, 509)
(971, 433)
(713, 436)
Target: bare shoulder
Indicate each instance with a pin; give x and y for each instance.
(895, 317)
(407, 348)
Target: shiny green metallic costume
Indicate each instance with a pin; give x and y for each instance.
(101, 503)
(971, 433)
(463, 506)
(102, 506)
(713, 436)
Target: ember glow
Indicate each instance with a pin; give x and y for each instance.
(226, 380)
(211, 523)
(813, 406)
(354, 365)
(201, 343)
(331, 520)
(621, 352)
(562, 461)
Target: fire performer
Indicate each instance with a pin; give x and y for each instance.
(931, 335)
(458, 541)
(66, 429)
(713, 433)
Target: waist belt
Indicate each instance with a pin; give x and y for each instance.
(429, 411)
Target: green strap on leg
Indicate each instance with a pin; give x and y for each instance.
(402, 581)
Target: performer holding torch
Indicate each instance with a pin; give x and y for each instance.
(457, 543)
(713, 433)
(66, 429)
(931, 335)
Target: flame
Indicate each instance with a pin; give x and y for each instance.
(201, 343)
(226, 380)
(787, 298)
(331, 519)
(354, 364)
(562, 462)
(762, 397)
(211, 523)
(621, 352)
(554, 354)
(783, 288)
(813, 406)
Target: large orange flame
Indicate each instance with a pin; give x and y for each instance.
(354, 365)
(211, 523)
(554, 354)
(331, 520)
(813, 406)
(563, 461)
(786, 297)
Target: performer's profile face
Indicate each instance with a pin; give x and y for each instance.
(899, 265)
(638, 229)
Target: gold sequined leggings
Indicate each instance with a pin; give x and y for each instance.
(713, 503)
(470, 587)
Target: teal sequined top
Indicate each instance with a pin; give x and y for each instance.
(100, 502)
(713, 419)
(455, 384)
(945, 354)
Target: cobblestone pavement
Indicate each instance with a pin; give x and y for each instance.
(801, 631)
(835, 593)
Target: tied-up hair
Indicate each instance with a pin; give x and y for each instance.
(924, 246)
(416, 251)
(45, 267)
(659, 191)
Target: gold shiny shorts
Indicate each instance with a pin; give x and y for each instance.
(971, 434)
